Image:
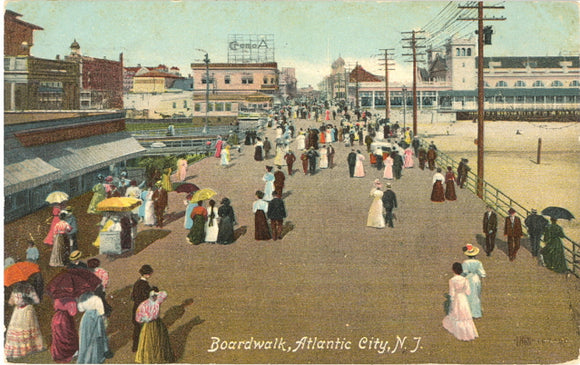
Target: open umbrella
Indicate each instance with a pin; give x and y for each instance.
(186, 188)
(20, 271)
(56, 197)
(71, 283)
(123, 204)
(558, 213)
(203, 194)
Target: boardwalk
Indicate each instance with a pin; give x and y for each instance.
(333, 279)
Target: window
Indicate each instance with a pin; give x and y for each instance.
(227, 79)
(575, 83)
(272, 81)
(557, 83)
(463, 51)
(219, 107)
(174, 105)
(265, 80)
(197, 107)
(501, 84)
(228, 107)
(247, 80)
(520, 83)
(538, 84)
(469, 51)
(185, 104)
(204, 80)
(458, 51)
(210, 107)
(485, 84)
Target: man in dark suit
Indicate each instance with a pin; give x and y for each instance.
(160, 200)
(140, 292)
(489, 229)
(279, 179)
(513, 231)
(389, 203)
(330, 155)
(276, 214)
(351, 159)
(536, 225)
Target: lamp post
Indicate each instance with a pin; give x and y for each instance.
(404, 90)
(206, 61)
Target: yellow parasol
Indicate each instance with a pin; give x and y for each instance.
(123, 204)
(203, 194)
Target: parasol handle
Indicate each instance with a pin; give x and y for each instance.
(31, 237)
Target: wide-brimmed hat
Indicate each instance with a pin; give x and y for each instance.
(469, 250)
(75, 255)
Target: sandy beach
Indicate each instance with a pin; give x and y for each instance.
(510, 160)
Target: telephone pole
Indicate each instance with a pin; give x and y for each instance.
(387, 94)
(482, 36)
(413, 44)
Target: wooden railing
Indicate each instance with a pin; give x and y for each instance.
(501, 203)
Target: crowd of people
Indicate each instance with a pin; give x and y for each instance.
(206, 222)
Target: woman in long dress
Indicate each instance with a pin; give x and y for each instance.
(60, 248)
(149, 219)
(474, 272)
(154, 346)
(553, 252)
(301, 141)
(280, 153)
(408, 158)
(197, 232)
(388, 173)
(260, 209)
(56, 209)
(359, 170)
(259, 151)
(99, 194)
(23, 335)
(166, 180)
(375, 217)
(450, 184)
(459, 321)
(93, 340)
(226, 223)
(438, 194)
(225, 156)
(211, 225)
(323, 164)
(188, 222)
(268, 178)
(181, 169)
(65, 338)
(218, 147)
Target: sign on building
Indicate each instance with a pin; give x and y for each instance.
(251, 48)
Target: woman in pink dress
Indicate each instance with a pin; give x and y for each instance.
(181, 169)
(327, 117)
(49, 239)
(65, 338)
(218, 147)
(459, 321)
(359, 170)
(388, 174)
(408, 158)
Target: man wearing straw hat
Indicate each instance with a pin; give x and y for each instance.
(474, 272)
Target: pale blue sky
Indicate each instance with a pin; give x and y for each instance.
(309, 35)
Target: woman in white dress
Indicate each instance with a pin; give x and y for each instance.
(376, 218)
(280, 153)
(23, 335)
(459, 321)
(149, 219)
(301, 141)
(269, 180)
(211, 225)
(323, 157)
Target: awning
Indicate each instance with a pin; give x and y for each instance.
(77, 157)
(28, 174)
